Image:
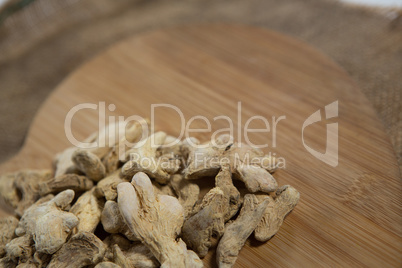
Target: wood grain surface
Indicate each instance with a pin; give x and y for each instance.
(348, 215)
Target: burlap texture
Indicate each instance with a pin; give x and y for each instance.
(47, 39)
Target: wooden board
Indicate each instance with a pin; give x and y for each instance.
(348, 215)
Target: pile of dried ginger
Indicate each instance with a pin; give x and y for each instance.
(142, 203)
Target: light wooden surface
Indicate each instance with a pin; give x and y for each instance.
(348, 215)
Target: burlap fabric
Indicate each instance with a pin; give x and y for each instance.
(41, 41)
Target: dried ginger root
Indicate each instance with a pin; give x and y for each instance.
(20, 249)
(286, 199)
(156, 220)
(132, 133)
(187, 193)
(107, 187)
(237, 232)
(48, 223)
(8, 192)
(151, 221)
(163, 189)
(199, 228)
(110, 241)
(145, 159)
(113, 221)
(21, 189)
(256, 176)
(232, 196)
(81, 250)
(107, 144)
(63, 162)
(126, 253)
(88, 210)
(89, 164)
(137, 255)
(73, 182)
(7, 227)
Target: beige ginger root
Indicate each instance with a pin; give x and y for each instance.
(187, 193)
(113, 221)
(285, 201)
(63, 162)
(73, 182)
(132, 133)
(7, 228)
(81, 250)
(8, 192)
(156, 220)
(145, 159)
(88, 210)
(137, 255)
(232, 196)
(112, 137)
(199, 228)
(248, 164)
(20, 249)
(48, 223)
(126, 253)
(163, 189)
(89, 164)
(107, 187)
(237, 232)
(21, 189)
(145, 223)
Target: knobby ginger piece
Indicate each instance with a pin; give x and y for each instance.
(256, 179)
(115, 239)
(88, 210)
(7, 262)
(103, 141)
(187, 146)
(199, 228)
(21, 189)
(203, 160)
(73, 182)
(187, 193)
(81, 250)
(237, 232)
(63, 162)
(8, 192)
(21, 253)
(48, 223)
(113, 222)
(137, 255)
(285, 201)
(247, 163)
(145, 159)
(20, 249)
(7, 228)
(171, 146)
(232, 196)
(128, 254)
(89, 164)
(99, 144)
(156, 220)
(107, 186)
(132, 133)
(27, 182)
(162, 189)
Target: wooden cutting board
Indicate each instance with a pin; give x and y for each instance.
(348, 215)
